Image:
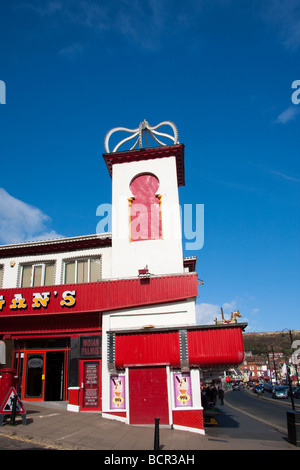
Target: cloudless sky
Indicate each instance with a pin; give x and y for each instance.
(222, 71)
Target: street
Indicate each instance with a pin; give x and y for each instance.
(16, 443)
(248, 416)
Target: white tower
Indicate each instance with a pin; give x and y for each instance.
(146, 218)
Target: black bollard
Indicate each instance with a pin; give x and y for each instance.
(156, 434)
(13, 410)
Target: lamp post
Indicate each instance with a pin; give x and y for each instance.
(290, 387)
(289, 372)
(292, 416)
(274, 364)
(291, 341)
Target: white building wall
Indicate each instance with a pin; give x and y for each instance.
(11, 273)
(165, 315)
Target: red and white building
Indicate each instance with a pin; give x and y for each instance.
(107, 322)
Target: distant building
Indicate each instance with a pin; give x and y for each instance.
(263, 366)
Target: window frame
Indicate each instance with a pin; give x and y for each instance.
(76, 261)
(33, 266)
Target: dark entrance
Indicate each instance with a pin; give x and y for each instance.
(42, 366)
(54, 377)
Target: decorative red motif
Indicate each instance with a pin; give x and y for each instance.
(145, 213)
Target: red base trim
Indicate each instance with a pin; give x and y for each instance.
(121, 414)
(74, 396)
(188, 418)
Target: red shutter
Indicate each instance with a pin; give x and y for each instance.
(147, 349)
(148, 395)
(215, 346)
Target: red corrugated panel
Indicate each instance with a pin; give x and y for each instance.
(147, 349)
(216, 346)
(104, 296)
(47, 325)
(149, 391)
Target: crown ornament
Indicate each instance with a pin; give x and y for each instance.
(144, 130)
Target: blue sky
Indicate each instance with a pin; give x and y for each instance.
(222, 71)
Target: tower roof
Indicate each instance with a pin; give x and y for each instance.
(146, 153)
(151, 153)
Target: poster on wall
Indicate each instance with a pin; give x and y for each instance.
(117, 392)
(182, 389)
(91, 391)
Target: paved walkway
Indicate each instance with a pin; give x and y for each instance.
(54, 426)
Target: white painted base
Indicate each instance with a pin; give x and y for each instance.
(185, 428)
(75, 408)
(114, 417)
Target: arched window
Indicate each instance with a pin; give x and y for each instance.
(145, 208)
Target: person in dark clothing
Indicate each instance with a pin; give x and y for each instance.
(221, 395)
(214, 394)
(204, 399)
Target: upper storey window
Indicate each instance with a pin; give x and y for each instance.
(82, 270)
(38, 274)
(145, 208)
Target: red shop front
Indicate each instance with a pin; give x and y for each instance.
(52, 368)
(56, 336)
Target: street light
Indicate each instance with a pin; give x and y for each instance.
(289, 372)
(291, 340)
(274, 364)
(290, 387)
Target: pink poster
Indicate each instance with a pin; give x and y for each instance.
(182, 389)
(117, 392)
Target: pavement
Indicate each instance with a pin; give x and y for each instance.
(51, 425)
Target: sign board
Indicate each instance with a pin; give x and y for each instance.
(117, 392)
(7, 406)
(91, 384)
(90, 346)
(182, 389)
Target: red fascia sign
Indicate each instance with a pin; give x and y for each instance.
(24, 301)
(96, 296)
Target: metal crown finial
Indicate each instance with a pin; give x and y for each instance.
(143, 128)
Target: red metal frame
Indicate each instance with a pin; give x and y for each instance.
(24, 371)
(24, 378)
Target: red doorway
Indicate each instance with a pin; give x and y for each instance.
(90, 384)
(148, 393)
(43, 374)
